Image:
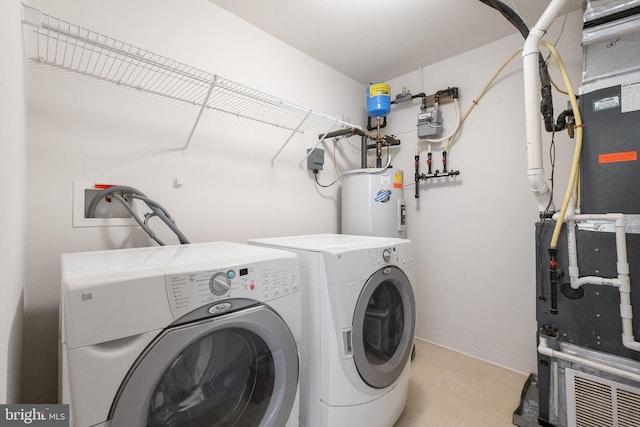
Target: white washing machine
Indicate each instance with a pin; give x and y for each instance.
(189, 335)
(358, 327)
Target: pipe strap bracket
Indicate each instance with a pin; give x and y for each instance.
(622, 267)
(626, 311)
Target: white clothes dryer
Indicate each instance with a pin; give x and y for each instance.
(190, 335)
(358, 327)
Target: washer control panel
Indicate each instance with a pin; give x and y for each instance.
(400, 255)
(260, 281)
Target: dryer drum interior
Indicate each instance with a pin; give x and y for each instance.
(236, 369)
(383, 323)
(384, 327)
(205, 383)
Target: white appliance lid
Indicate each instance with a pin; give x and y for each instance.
(97, 263)
(330, 242)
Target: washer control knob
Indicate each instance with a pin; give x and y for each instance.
(386, 255)
(219, 284)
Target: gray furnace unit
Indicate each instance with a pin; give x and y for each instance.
(586, 375)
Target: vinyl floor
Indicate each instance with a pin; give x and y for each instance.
(450, 389)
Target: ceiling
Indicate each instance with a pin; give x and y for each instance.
(376, 40)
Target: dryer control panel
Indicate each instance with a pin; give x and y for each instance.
(400, 255)
(358, 264)
(191, 288)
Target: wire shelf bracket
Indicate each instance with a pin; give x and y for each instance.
(78, 49)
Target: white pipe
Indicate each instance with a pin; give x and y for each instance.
(572, 249)
(594, 280)
(572, 252)
(622, 282)
(544, 349)
(535, 169)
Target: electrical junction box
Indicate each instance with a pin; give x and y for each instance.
(315, 159)
(430, 124)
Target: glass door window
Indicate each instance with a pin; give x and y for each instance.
(383, 327)
(232, 370)
(383, 323)
(222, 379)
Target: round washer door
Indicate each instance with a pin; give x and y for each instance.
(384, 327)
(238, 369)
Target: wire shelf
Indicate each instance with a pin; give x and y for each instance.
(74, 48)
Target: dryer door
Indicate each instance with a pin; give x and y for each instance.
(384, 327)
(234, 363)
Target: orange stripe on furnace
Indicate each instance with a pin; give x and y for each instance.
(625, 156)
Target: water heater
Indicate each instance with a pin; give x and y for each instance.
(373, 203)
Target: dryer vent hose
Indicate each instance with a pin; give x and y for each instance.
(121, 193)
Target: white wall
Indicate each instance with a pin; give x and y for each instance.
(474, 236)
(12, 175)
(79, 128)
